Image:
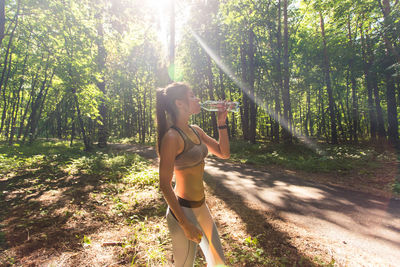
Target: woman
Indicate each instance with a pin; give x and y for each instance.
(182, 149)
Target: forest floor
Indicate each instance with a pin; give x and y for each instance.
(104, 208)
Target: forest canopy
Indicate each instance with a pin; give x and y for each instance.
(325, 70)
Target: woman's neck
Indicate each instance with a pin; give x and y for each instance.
(182, 123)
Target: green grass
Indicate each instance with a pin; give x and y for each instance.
(328, 158)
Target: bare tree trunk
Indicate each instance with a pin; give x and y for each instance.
(353, 87)
(6, 102)
(251, 79)
(367, 69)
(389, 34)
(328, 85)
(287, 108)
(245, 106)
(103, 132)
(143, 120)
(18, 94)
(391, 52)
(210, 78)
(35, 107)
(2, 20)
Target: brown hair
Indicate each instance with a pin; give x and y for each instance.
(166, 109)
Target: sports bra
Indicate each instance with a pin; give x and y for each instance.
(192, 154)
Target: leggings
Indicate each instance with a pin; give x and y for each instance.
(184, 250)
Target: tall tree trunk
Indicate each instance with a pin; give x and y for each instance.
(328, 85)
(389, 33)
(18, 95)
(223, 96)
(367, 69)
(251, 78)
(211, 89)
(7, 68)
(86, 139)
(35, 107)
(28, 104)
(287, 108)
(391, 52)
(307, 123)
(353, 86)
(245, 106)
(391, 108)
(143, 120)
(41, 105)
(233, 123)
(5, 105)
(2, 20)
(101, 84)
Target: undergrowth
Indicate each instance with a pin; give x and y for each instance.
(324, 158)
(124, 195)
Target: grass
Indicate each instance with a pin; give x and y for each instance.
(65, 203)
(328, 158)
(65, 186)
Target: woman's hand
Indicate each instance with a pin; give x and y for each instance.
(192, 232)
(222, 113)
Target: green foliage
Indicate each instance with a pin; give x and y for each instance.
(143, 177)
(396, 187)
(298, 156)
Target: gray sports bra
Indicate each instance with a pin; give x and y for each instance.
(192, 154)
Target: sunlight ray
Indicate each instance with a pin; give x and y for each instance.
(244, 87)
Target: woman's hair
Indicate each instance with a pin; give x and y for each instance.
(166, 109)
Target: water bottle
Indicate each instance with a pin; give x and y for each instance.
(211, 105)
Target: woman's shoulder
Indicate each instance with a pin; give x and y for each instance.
(172, 136)
(197, 128)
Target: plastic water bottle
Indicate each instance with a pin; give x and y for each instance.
(211, 105)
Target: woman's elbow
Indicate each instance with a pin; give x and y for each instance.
(164, 185)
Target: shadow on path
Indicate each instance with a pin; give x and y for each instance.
(275, 243)
(369, 223)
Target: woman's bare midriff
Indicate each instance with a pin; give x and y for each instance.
(189, 183)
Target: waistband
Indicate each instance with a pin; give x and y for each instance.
(190, 203)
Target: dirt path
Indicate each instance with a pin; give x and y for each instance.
(353, 228)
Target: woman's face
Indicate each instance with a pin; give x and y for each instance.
(194, 103)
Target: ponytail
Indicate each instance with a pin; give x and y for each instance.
(166, 110)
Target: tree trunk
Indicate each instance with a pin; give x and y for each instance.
(245, 107)
(367, 69)
(393, 126)
(353, 87)
(391, 108)
(389, 33)
(328, 85)
(143, 120)
(86, 139)
(103, 132)
(41, 105)
(287, 108)
(251, 79)
(5, 105)
(233, 123)
(18, 94)
(31, 126)
(2, 20)
(211, 89)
